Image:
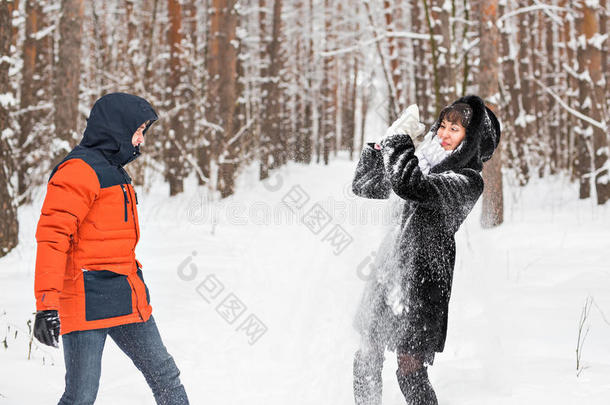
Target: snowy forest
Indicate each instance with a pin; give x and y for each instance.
(264, 102)
(272, 81)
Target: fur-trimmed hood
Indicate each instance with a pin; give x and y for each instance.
(482, 138)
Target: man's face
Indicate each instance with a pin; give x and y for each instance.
(138, 136)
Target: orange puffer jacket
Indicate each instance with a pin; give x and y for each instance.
(88, 229)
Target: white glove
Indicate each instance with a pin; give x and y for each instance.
(407, 123)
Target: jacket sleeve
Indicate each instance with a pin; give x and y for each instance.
(70, 194)
(370, 179)
(437, 190)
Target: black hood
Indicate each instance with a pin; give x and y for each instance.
(482, 138)
(111, 124)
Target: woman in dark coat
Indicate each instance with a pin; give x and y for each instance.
(405, 304)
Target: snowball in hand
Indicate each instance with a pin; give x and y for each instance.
(407, 123)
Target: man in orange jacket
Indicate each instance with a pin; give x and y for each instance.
(88, 282)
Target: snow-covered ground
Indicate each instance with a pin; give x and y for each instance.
(518, 294)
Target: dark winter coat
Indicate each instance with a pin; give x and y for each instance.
(405, 305)
(88, 229)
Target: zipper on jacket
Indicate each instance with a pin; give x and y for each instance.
(133, 210)
(124, 173)
(125, 200)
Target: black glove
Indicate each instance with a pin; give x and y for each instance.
(46, 327)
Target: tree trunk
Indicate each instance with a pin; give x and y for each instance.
(393, 58)
(603, 28)
(536, 143)
(393, 108)
(592, 101)
(586, 25)
(348, 126)
(569, 122)
(12, 6)
(9, 225)
(67, 74)
(510, 107)
(265, 144)
(554, 130)
(422, 96)
(493, 207)
(445, 54)
(222, 91)
(466, 62)
(298, 82)
(523, 122)
(270, 103)
(329, 91)
(149, 34)
(202, 151)
(173, 159)
(32, 17)
(437, 18)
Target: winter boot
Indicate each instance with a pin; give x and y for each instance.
(416, 387)
(367, 378)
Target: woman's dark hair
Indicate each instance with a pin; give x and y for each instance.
(458, 113)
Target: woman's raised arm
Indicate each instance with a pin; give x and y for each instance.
(439, 190)
(370, 179)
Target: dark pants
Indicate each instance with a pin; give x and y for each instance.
(141, 342)
(368, 366)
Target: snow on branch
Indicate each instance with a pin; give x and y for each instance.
(527, 9)
(7, 100)
(187, 156)
(410, 35)
(550, 14)
(462, 21)
(182, 106)
(466, 48)
(43, 32)
(605, 167)
(241, 131)
(379, 37)
(578, 114)
(584, 76)
(37, 107)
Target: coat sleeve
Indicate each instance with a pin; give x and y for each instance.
(70, 194)
(370, 179)
(448, 190)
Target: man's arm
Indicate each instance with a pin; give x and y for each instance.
(70, 193)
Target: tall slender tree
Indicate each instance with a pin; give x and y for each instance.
(9, 225)
(222, 93)
(593, 100)
(34, 117)
(437, 17)
(493, 208)
(329, 89)
(271, 142)
(67, 75)
(176, 149)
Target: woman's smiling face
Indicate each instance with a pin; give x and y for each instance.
(451, 134)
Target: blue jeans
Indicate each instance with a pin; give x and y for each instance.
(141, 342)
